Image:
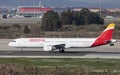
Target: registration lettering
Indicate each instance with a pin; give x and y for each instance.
(37, 40)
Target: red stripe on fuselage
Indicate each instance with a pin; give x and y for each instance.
(104, 38)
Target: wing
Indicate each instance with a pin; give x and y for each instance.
(54, 46)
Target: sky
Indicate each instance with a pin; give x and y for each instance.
(64, 3)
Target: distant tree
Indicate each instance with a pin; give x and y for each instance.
(88, 17)
(51, 21)
(26, 29)
(77, 18)
(96, 19)
(85, 16)
(66, 17)
(74, 18)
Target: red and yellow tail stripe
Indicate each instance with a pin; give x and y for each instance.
(110, 26)
(105, 36)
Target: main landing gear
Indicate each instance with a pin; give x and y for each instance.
(21, 50)
(61, 50)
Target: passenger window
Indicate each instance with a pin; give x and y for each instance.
(13, 41)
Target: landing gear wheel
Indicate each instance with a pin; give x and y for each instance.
(61, 50)
(21, 50)
(111, 44)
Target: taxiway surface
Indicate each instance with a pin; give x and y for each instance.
(96, 52)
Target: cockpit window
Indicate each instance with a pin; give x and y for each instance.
(13, 41)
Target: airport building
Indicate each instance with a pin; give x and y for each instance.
(32, 11)
(91, 9)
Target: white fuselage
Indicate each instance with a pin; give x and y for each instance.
(41, 42)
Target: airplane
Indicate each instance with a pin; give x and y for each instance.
(50, 44)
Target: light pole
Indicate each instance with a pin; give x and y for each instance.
(100, 8)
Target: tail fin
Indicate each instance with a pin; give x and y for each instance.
(105, 37)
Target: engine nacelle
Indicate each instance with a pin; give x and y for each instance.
(112, 42)
(48, 48)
